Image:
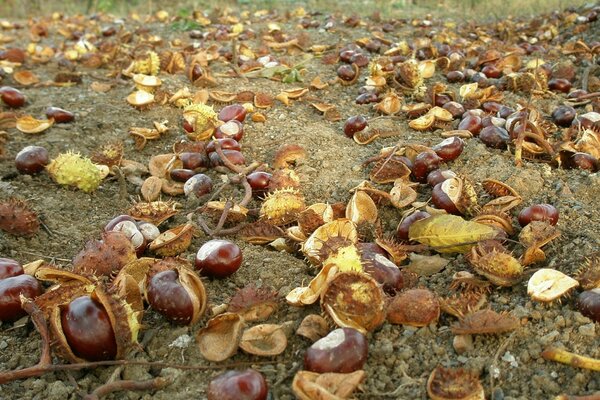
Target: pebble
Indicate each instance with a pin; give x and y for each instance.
(58, 390)
(559, 321)
(581, 319)
(587, 329)
(3, 345)
(462, 343)
(547, 339)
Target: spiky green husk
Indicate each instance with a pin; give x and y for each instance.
(71, 169)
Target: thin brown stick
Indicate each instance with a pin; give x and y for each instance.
(128, 385)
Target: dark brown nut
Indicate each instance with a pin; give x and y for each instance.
(343, 350)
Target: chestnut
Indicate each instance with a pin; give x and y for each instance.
(12, 97)
(455, 76)
(119, 218)
(199, 185)
(234, 156)
(538, 212)
(233, 112)
(238, 385)
(181, 174)
(226, 144)
(559, 85)
(11, 289)
(424, 163)
(131, 231)
(354, 124)
(13, 54)
(441, 99)
(505, 111)
(494, 137)
(471, 123)
(218, 258)
(259, 182)
(404, 225)
(188, 126)
(379, 267)
(31, 160)
(491, 107)
(233, 129)
(454, 108)
(60, 116)
(343, 350)
(441, 199)
(169, 297)
(9, 268)
(449, 149)
(88, 329)
(437, 175)
(588, 304)
(346, 73)
(563, 115)
(191, 160)
(491, 71)
(585, 161)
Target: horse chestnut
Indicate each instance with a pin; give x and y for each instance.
(538, 212)
(60, 116)
(404, 225)
(588, 303)
(10, 291)
(233, 112)
(88, 329)
(343, 350)
(31, 160)
(218, 258)
(199, 185)
(238, 385)
(354, 124)
(168, 296)
(449, 149)
(9, 267)
(259, 182)
(231, 129)
(12, 97)
(425, 162)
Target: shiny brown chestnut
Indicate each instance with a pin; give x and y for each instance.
(232, 129)
(233, 156)
(60, 116)
(441, 99)
(110, 225)
(538, 212)
(226, 144)
(494, 137)
(559, 85)
(198, 184)
(471, 123)
(379, 267)
(88, 330)
(31, 160)
(343, 350)
(456, 109)
(366, 98)
(563, 115)
(191, 160)
(588, 304)
(259, 182)
(505, 111)
(218, 258)
(167, 296)
(441, 200)
(13, 54)
(491, 71)
(233, 112)
(586, 162)
(404, 225)
(11, 289)
(346, 73)
(181, 174)
(455, 76)
(354, 124)
(424, 163)
(437, 175)
(10, 268)
(238, 385)
(12, 97)
(449, 149)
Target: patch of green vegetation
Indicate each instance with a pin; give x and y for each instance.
(185, 25)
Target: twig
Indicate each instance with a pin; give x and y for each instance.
(502, 348)
(120, 385)
(595, 396)
(572, 359)
(44, 256)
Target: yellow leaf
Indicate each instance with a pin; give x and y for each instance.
(450, 233)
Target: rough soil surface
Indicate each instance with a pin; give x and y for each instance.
(400, 358)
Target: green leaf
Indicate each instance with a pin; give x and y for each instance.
(450, 233)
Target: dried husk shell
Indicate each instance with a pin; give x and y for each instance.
(306, 295)
(155, 212)
(313, 327)
(28, 124)
(454, 384)
(264, 340)
(140, 98)
(173, 241)
(340, 228)
(354, 300)
(151, 188)
(309, 385)
(361, 209)
(282, 206)
(547, 285)
(414, 307)
(220, 339)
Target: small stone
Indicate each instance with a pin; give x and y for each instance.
(559, 321)
(3, 345)
(581, 319)
(549, 338)
(587, 329)
(58, 390)
(462, 343)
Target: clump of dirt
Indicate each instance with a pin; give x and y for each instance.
(400, 358)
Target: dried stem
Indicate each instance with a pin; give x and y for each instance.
(595, 396)
(572, 359)
(120, 385)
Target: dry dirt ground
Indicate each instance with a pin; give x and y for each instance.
(400, 358)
